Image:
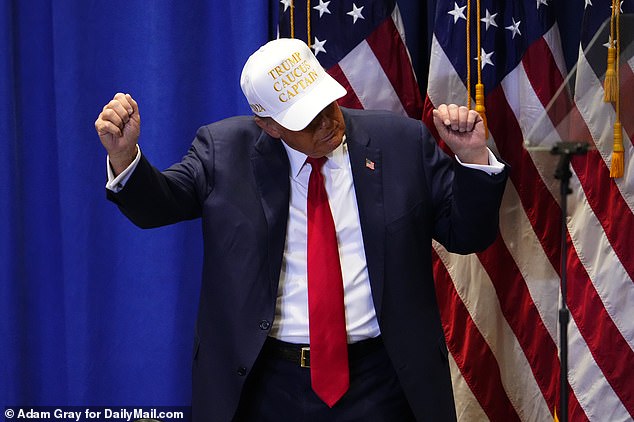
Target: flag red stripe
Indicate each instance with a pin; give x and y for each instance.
(470, 350)
(617, 219)
(387, 45)
(350, 100)
(606, 343)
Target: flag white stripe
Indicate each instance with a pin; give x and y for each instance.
(368, 80)
(446, 86)
(553, 39)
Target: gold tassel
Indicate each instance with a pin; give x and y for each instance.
(610, 84)
(479, 97)
(617, 165)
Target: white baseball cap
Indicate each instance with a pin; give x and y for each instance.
(283, 80)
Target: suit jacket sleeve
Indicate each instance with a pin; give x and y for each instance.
(467, 201)
(152, 198)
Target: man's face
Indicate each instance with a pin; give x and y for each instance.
(322, 135)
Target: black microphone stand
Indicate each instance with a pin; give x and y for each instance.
(565, 150)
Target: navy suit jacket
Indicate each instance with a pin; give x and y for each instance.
(236, 178)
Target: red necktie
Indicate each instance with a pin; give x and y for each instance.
(329, 373)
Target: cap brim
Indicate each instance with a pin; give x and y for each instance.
(300, 114)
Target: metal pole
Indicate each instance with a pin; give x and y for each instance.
(565, 150)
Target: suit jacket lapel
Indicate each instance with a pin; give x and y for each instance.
(271, 169)
(367, 175)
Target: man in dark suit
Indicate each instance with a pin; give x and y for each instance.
(389, 189)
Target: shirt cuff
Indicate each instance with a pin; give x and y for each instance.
(494, 166)
(115, 184)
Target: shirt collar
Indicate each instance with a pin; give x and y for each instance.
(298, 159)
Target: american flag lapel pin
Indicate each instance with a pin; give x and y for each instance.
(369, 164)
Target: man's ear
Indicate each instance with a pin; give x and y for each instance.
(270, 126)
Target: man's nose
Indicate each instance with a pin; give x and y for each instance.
(322, 120)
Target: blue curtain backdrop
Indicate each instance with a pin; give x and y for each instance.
(94, 311)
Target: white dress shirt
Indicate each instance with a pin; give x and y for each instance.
(291, 313)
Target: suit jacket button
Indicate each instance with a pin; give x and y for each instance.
(242, 371)
(265, 325)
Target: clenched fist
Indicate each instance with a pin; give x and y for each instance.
(463, 131)
(118, 127)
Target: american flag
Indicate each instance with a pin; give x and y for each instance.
(500, 307)
(362, 45)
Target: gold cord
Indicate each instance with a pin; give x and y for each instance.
(292, 18)
(479, 97)
(308, 22)
(469, 54)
